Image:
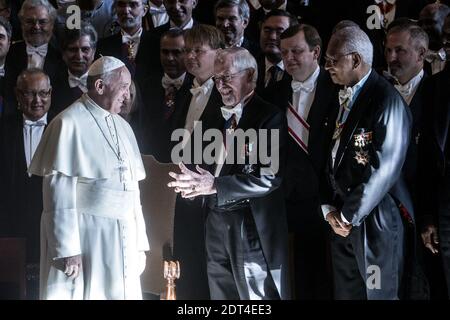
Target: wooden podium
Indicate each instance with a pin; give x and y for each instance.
(158, 206)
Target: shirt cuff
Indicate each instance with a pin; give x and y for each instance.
(343, 219)
(326, 209)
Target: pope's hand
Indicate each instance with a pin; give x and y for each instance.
(192, 184)
(72, 266)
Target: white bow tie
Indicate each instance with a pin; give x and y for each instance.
(77, 82)
(167, 82)
(197, 90)
(345, 97)
(227, 113)
(154, 11)
(297, 86)
(35, 123)
(42, 50)
(126, 38)
(404, 90)
(432, 56)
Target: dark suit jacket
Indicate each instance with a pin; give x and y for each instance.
(112, 46)
(433, 147)
(278, 93)
(21, 195)
(236, 185)
(62, 94)
(304, 170)
(154, 130)
(17, 61)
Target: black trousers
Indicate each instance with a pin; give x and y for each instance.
(444, 227)
(237, 269)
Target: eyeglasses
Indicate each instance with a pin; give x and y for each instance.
(333, 61)
(40, 22)
(31, 94)
(228, 77)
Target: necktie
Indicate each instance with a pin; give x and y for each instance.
(298, 86)
(78, 82)
(273, 71)
(235, 112)
(42, 50)
(169, 100)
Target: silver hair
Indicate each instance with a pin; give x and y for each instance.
(243, 8)
(241, 59)
(27, 4)
(354, 39)
(107, 78)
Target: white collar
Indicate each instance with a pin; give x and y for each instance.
(83, 76)
(311, 80)
(414, 81)
(187, 26)
(237, 110)
(42, 47)
(135, 35)
(270, 64)
(154, 6)
(42, 119)
(95, 108)
(390, 1)
(208, 83)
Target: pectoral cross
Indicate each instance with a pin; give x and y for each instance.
(122, 172)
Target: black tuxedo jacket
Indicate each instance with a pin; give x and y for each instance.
(241, 183)
(21, 195)
(62, 94)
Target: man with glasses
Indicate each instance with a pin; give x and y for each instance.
(200, 111)
(365, 200)
(36, 51)
(125, 44)
(246, 229)
(21, 193)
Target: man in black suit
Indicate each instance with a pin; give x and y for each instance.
(164, 98)
(367, 203)
(273, 81)
(199, 111)
(434, 163)
(232, 17)
(78, 51)
(22, 193)
(311, 113)
(180, 16)
(36, 51)
(246, 229)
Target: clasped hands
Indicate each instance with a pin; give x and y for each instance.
(72, 266)
(191, 184)
(339, 227)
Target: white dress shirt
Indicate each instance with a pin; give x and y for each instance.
(326, 208)
(32, 134)
(158, 14)
(302, 100)
(135, 39)
(408, 90)
(199, 100)
(36, 56)
(188, 25)
(167, 81)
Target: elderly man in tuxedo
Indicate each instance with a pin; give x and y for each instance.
(366, 204)
(246, 229)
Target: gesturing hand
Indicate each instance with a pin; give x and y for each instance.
(192, 184)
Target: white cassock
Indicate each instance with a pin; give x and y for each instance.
(86, 209)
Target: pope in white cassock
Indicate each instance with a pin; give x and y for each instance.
(93, 237)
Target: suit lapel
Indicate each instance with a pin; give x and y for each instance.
(443, 115)
(354, 116)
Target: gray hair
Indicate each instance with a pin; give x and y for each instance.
(30, 72)
(354, 39)
(241, 59)
(107, 78)
(243, 8)
(28, 4)
(418, 36)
